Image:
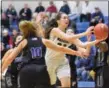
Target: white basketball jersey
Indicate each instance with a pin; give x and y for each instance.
(57, 64)
(55, 55)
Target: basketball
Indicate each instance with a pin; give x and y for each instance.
(101, 31)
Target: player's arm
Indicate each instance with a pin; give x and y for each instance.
(6, 55)
(37, 23)
(74, 38)
(70, 38)
(85, 51)
(51, 45)
(13, 55)
(79, 43)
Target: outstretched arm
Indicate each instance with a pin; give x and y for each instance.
(74, 38)
(51, 45)
(79, 43)
(87, 49)
(6, 55)
(70, 38)
(13, 55)
(37, 24)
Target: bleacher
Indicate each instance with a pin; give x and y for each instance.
(84, 84)
(106, 19)
(81, 27)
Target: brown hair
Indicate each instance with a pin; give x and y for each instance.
(28, 29)
(52, 23)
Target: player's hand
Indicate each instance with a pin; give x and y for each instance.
(98, 41)
(40, 17)
(89, 37)
(80, 54)
(85, 54)
(89, 31)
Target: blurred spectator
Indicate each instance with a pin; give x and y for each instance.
(86, 12)
(4, 21)
(40, 8)
(65, 8)
(7, 39)
(25, 13)
(14, 35)
(74, 16)
(51, 9)
(11, 14)
(2, 49)
(84, 66)
(77, 8)
(97, 17)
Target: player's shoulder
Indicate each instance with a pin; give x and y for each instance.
(55, 29)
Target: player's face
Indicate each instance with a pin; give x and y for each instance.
(64, 20)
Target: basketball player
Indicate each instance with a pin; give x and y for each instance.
(72, 58)
(18, 39)
(13, 67)
(57, 64)
(33, 73)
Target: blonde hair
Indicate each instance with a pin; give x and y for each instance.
(28, 29)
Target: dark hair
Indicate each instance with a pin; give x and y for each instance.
(14, 40)
(51, 24)
(17, 36)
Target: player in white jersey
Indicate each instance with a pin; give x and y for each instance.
(57, 64)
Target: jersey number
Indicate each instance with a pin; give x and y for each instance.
(36, 52)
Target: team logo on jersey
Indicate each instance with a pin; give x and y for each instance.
(34, 39)
(62, 40)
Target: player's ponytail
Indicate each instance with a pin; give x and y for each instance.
(51, 24)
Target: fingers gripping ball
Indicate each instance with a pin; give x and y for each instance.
(101, 31)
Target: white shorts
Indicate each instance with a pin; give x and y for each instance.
(63, 71)
(58, 70)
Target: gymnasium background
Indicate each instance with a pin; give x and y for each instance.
(102, 4)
